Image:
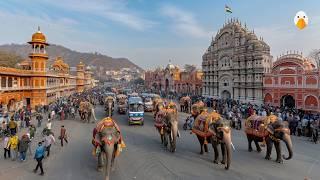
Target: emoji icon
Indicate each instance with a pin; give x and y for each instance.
(301, 20)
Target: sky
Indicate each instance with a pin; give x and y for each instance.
(152, 32)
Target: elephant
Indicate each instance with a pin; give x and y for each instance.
(218, 133)
(273, 133)
(109, 106)
(166, 122)
(85, 111)
(170, 129)
(185, 104)
(107, 142)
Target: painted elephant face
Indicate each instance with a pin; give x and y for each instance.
(109, 135)
(278, 130)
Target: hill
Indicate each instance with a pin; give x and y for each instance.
(70, 56)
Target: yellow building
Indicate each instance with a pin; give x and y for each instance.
(37, 83)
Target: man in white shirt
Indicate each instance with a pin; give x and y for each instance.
(49, 124)
(48, 140)
(53, 113)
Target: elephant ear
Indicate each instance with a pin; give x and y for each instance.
(270, 129)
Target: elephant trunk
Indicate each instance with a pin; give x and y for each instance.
(288, 142)
(108, 157)
(227, 140)
(174, 134)
(109, 105)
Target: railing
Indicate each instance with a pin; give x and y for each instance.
(290, 86)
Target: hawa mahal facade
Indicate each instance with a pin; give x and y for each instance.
(37, 82)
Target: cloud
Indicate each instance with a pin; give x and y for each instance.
(114, 10)
(184, 22)
(286, 37)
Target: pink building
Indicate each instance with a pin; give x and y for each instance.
(293, 81)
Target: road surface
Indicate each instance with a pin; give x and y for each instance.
(145, 158)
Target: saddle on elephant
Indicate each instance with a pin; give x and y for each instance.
(257, 125)
(159, 120)
(107, 123)
(196, 109)
(201, 125)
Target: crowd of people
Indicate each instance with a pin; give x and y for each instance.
(300, 123)
(18, 129)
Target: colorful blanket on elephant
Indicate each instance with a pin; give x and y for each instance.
(201, 125)
(159, 121)
(255, 125)
(259, 133)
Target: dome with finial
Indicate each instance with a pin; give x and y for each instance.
(88, 68)
(38, 37)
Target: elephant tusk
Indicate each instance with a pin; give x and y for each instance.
(233, 146)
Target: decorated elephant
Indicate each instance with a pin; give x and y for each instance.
(85, 111)
(109, 105)
(166, 122)
(269, 131)
(107, 143)
(185, 104)
(211, 128)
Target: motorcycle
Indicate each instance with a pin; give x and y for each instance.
(188, 123)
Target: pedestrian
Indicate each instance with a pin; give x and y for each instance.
(13, 145)
(63, 135)
(23, 147)
(32, 131)
(49, 125)
(4, 126)
(6, 148)
(13, 126)
(39, 119)
(48, 141)
(39, 155)
(53, 113)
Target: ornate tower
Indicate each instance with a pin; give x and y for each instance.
(80, 77)
(39, 57)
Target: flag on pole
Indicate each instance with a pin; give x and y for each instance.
(228, 9)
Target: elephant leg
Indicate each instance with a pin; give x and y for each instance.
(223, 152)
(99, 168)
(206, 148)
(114, 157)
(257, 145)
(201, 141)
(278, 150)
(165, 140)
(216, 152)
(249, 143)
(269, 148)
(162, 138)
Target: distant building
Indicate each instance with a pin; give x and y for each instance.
(174, 80)
(234, 64)
(37, 82)
(293, 82)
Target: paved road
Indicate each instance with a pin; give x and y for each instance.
(145, 158)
